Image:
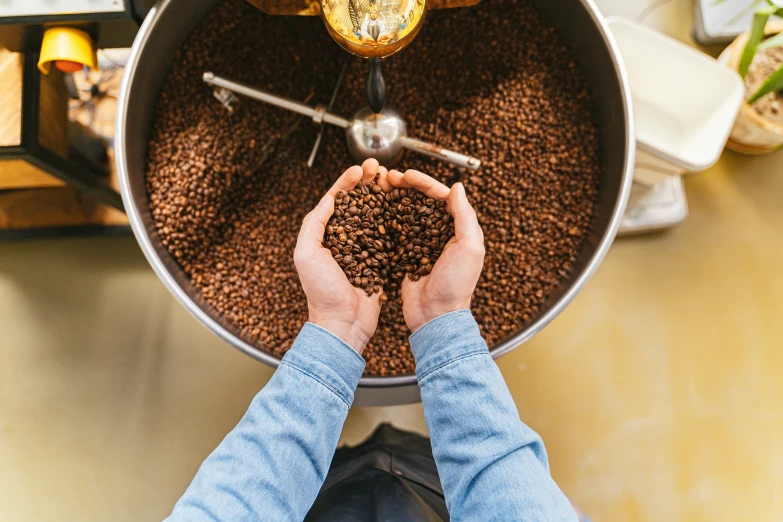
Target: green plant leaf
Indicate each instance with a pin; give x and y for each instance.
(775, 41)
(773, 83)
(756, 35)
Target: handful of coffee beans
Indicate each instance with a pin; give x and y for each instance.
(378, 237)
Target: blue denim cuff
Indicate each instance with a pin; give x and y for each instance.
(449, 337)
(326, 358)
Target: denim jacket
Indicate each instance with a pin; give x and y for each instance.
(272, 465)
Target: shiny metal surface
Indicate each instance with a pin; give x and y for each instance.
(428, 149)
(318, 114)
(382, 136)
(593, 48)
(373, 28)
(376, 136)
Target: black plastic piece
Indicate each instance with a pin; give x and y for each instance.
(108, 30)
(376, 86)
(390, 476)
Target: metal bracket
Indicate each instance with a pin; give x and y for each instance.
(318, 117)
(225, 97)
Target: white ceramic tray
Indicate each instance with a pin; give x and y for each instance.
(685, 102)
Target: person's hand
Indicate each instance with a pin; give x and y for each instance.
(453, 279)
(333, 303)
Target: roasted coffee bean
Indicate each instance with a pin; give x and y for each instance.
(228, 191)
(410, 259)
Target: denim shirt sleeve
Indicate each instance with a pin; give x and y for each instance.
(272, 465)
(491, 465)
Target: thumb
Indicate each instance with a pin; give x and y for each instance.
(324, 209)
(315, 222)
(465, 221)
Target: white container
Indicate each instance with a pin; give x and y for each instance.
(721, 21)
(685, 102)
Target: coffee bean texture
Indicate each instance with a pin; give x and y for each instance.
(378, 238)
(228, 191)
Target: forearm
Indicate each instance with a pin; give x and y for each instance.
(272, 465)
(492, 466)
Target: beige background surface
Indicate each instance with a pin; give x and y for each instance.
(658, 392)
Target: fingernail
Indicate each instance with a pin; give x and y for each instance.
(461, 191)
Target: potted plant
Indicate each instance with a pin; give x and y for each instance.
(758, 57)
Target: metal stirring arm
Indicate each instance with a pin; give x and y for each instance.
(449, 156)
(319, 115)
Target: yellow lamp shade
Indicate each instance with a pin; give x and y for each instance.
(68, 46)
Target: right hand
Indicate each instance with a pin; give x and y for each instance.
(453, 279)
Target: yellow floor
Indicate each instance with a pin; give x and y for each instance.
(658, 392)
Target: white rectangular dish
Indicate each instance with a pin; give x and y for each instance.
(685, 102)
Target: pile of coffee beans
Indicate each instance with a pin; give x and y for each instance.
(377, 237)
(228, 191)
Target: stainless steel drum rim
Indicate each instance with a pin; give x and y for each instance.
(619, 210)
(153, 254)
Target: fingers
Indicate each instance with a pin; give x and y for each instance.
(347, 181)
(370, 168)
(397, 179)
(424, 183)
(466, 223)
(383, 180)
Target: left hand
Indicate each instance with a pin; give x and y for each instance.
(333, 303)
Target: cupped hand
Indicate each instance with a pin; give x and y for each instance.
(333, 303)
(450, 285)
